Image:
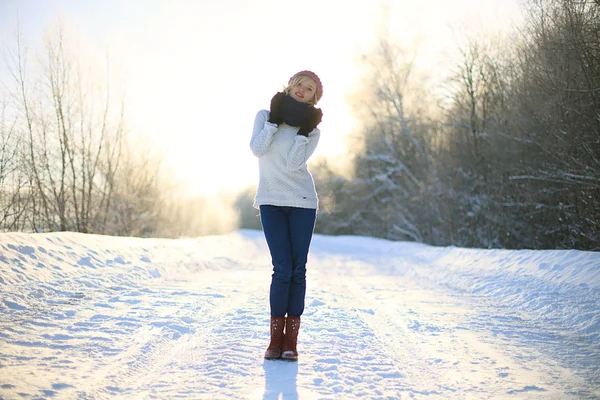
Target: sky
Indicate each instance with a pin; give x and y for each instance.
(92, 317)
(197, 72)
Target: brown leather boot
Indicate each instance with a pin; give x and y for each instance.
(274, 350)
(292, 326)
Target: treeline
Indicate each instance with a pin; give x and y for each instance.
(504, 154)
(508, 156)
(68, 161)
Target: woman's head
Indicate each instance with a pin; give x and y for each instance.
(305, 87)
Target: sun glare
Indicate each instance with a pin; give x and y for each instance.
(198, 72)
(196, 84)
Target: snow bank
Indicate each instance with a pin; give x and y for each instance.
(558, 287)
(552, 286)
(51, 268)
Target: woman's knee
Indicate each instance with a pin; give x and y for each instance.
(282, 275)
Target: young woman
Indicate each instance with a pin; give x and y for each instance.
(283, 139)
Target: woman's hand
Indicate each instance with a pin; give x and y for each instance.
(315, 115)
(276, 112)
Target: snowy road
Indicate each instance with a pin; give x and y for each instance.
(96, 317)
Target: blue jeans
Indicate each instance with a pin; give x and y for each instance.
(288, 231)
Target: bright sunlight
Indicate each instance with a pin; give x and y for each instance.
(195, 73)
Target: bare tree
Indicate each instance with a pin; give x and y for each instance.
(476, 158)
(84, 128)
(136, 200)
(558, 98)
(11, 178)
(71, 129)
(392, 167)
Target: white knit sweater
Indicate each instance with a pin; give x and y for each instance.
(282, 155)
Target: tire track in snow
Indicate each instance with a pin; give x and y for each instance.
(151, 350)
(443, 354)
(232, 345)
(433, 357)
(422, 376)
(341, 356)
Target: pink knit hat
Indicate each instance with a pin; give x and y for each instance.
(312, 76)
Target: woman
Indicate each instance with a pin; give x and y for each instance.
(283, 139)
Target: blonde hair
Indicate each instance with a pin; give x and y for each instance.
(287, 89)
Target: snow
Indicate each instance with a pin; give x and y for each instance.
(85, 316)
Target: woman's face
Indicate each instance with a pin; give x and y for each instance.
(304, 90)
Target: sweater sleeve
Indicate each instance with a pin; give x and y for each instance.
(302, 149)
(262, 134)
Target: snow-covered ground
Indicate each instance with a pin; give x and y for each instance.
(86, 317)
